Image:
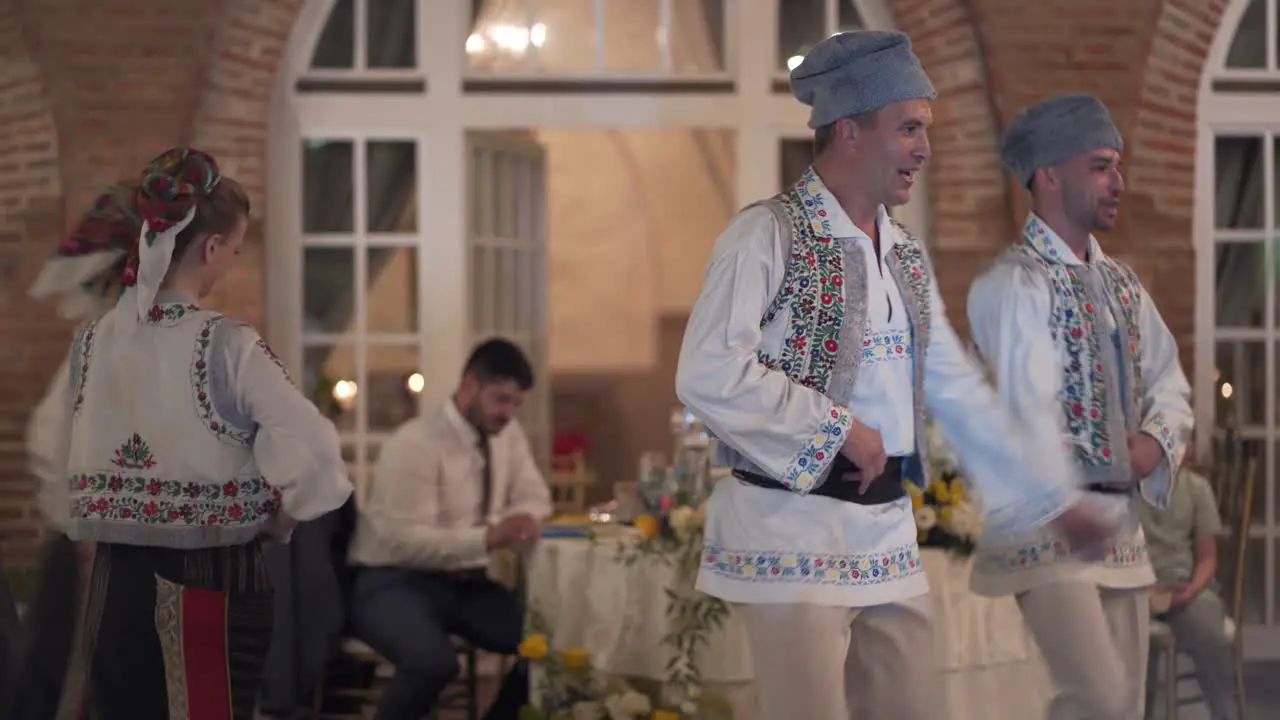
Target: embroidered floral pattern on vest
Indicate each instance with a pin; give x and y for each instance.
(813, 568)
(265, 348)
(200, 386)
(81, 373)
(813, 289)
(151, 501)
(169, 313)
(134, 454)
(1074, 322)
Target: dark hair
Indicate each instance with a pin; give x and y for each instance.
(217, 213)
(825, 135)
(497, 360)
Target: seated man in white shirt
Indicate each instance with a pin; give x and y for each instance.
(450, 486)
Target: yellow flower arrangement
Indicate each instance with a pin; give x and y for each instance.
(574, 659)
(649, 525)
(534, 647)
(664, 715)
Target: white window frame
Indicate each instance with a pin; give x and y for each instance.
(1241, 114)
(439, 118)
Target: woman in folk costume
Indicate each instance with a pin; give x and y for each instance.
(817, 343)
(182, 443)
(1067, 329)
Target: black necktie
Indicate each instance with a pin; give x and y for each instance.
(486, 479)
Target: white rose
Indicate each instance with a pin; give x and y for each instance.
(627, 706)
(926, 518)
(588, 710)
(684, 520)
(964, 521)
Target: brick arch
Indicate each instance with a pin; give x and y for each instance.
(1161, 160)
(31, 200)
(968, 194)
(231, 122)
(1163, 134)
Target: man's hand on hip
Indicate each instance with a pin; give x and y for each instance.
(865, 447)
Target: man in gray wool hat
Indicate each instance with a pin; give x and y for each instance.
(1077, 347)
(805, 355)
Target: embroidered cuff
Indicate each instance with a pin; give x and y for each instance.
(806, 469)
(1157, 488)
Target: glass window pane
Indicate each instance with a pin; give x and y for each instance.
(794, 157)
(849, 19)
(326, 186)
(1254, 595)
(389, 399)
(336, 47)
(1240, 292)
(483, 303)
(392, 184)
(1238, 182)
(1241, 382)
(801, 25)
(697, 36)
(329, 379)
(632, 36)
(559, 37)
(391, 29)
(1249, 46)
(328, 289)
(391, 290)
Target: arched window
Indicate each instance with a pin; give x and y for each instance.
(1237, 331)
(408, 216)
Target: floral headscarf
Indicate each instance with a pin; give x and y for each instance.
(109, 237)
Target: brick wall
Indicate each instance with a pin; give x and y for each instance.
(91, 90)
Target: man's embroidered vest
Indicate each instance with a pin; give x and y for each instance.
(825, 289)
(1102, 389)
(159, 455)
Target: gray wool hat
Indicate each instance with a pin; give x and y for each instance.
(856, 72)
(1055, 130)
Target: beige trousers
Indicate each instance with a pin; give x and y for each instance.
(1094, 641)
(834, 663)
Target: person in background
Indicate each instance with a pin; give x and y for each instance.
(1182, 539)
(450, 487)
(1078, 347)
(182, 445)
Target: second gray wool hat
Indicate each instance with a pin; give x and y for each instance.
(1055, 130)
(856, 72)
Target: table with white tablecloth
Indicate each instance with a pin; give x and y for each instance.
(617, 613)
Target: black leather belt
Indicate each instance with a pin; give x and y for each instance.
(884, 489)
(1107, 489)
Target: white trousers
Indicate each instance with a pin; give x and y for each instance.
(819, 662)
(1094, 641)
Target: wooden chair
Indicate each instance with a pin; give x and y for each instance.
(462, 694)
(1234, 485)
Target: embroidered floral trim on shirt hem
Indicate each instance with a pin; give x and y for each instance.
(813, 568)
(153, 501)
(1051, 551)
(808, 465)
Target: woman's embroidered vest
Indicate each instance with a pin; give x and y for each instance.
(158, 454)
(1102, 389)
(825, 289)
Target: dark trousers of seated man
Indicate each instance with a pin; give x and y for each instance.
(408, 616)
